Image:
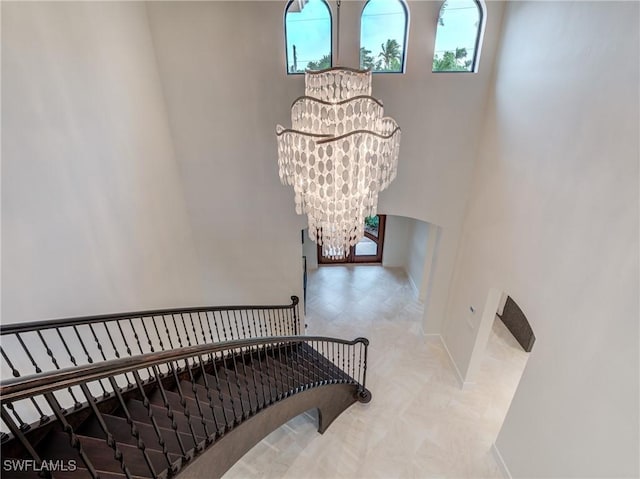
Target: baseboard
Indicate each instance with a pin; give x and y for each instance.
(461, 382)
(500, 460)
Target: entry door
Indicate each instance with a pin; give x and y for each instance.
(368, 249)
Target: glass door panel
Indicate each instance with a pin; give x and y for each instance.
(368, 249)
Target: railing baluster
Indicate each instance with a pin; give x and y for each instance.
(115, 351)
(104, 358)
(194, 389)
(124, 338)
(75, 440)
(14, 371)
(113, 344)
(166, 328)
(365, 345)
(134, 430)
(360, 365)
(23, 425)
(353, 362)
(215, 323)
(187, 411)
(135, 335)
(186, 330)
(235, 320)
(245, 414)
(210, 437)
(236, 421)
(17, 433)
(111, 442)
(237, 335)
(89, 358)
(76, 403)
(204, 336)
(146, 333)
(26, 350)
(171, 415)
(296, 321)
(285, 372)
(155, 327)
(43, 417)
(147, 404)
(212, 358)
(264, 368)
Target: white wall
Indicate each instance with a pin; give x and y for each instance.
(226, 88)
(396, 241)
(553, 220)
(417, 254)
(93, 214)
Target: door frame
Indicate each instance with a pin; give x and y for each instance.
(351, 257)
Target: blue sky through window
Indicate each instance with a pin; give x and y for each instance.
(382, 20)
(459, 29)
(310, 31)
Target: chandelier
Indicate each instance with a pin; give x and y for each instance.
(339, 154)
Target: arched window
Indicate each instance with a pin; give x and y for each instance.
(458, 36)
(307, 31)
(383, 35)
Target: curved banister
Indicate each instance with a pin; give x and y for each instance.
(33, 347)
(15, 389)
(186, 379)
(63, 322)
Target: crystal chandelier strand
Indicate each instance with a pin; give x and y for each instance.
(339, 154)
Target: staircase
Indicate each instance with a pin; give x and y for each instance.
(194, 409)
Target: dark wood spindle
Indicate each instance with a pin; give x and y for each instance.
(76, 403)
(147, 404)
(171, 415)
(74, 439)
(14, 371)
(111, 442)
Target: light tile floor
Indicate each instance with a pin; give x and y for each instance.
(419, 423)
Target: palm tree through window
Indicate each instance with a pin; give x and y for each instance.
(383, 36)
(458, 36)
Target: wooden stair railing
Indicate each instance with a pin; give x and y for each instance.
(33, 347)
(149, 416)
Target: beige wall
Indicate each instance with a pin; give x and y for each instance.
(553, 222)
(93, 212)
(225, 86)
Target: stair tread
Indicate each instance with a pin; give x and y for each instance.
(121, 432)
(139, 412)
(58, 446)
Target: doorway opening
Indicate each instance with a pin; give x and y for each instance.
(503, 345)
(368, 249)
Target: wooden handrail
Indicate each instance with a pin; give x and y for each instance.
(58, 323)
(28, 386)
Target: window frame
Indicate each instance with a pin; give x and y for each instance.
(405, 45)
(479, 37)
(286, 46)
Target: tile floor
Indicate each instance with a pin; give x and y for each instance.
(419, 424)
